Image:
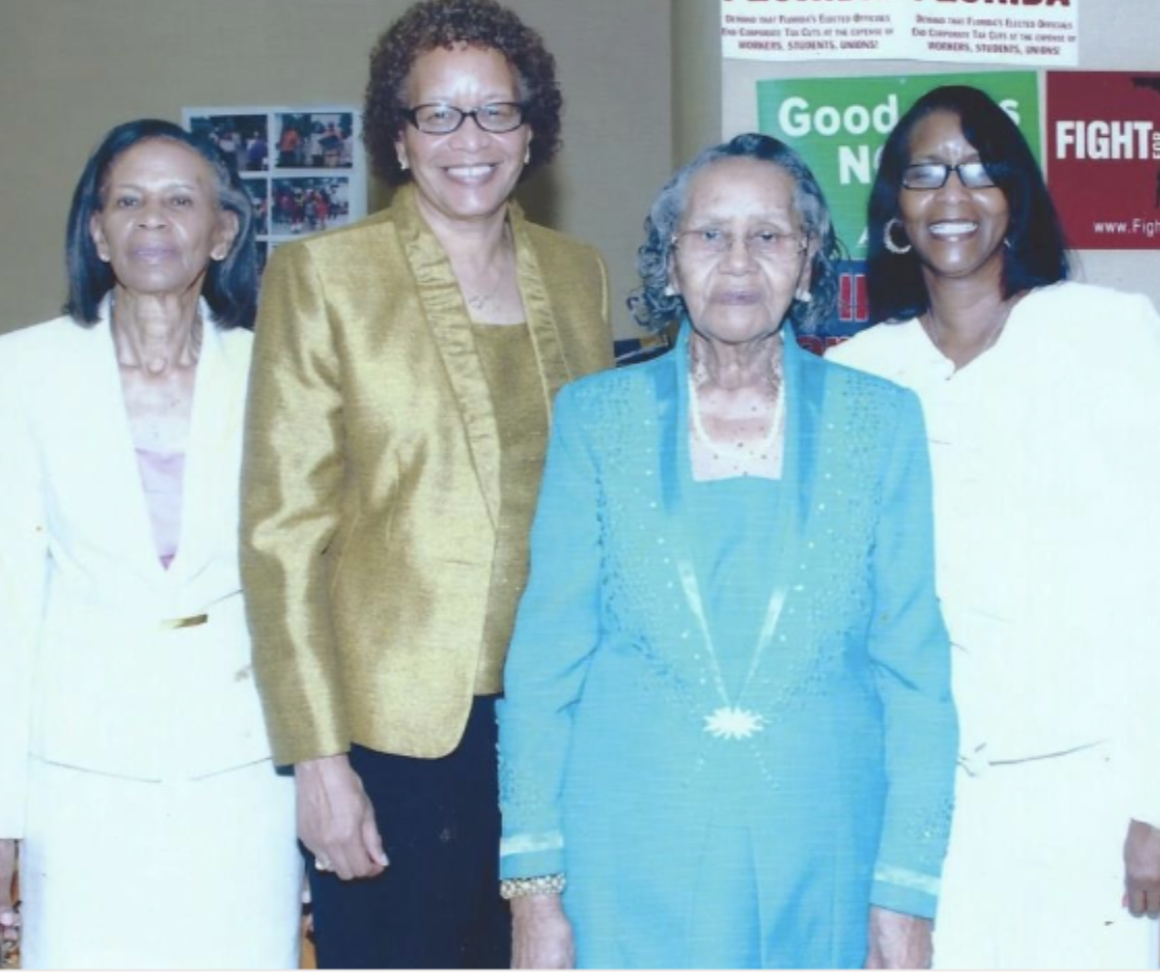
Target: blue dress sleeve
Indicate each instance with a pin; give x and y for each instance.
(557, 630)
(910, 650)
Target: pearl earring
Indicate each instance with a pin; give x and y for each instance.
(803, 295)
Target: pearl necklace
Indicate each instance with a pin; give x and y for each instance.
(762, 448)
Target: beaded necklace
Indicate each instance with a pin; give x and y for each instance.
(744, 451)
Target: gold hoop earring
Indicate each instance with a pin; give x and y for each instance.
(888, 238)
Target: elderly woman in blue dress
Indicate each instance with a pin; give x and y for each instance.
(728, 738)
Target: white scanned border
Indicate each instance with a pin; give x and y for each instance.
(1022, 32)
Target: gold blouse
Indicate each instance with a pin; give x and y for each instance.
(517, 397)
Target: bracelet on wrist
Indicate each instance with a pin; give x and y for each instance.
(523, 887)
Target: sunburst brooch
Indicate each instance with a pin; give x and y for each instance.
(730, 722)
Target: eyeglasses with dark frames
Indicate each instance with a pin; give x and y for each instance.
(497, 117)
(934, 175)
(764, 242)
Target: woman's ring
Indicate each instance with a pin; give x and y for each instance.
(321, 865)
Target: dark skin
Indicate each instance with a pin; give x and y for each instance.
(958, 233)
(159, 230)
(733, 340)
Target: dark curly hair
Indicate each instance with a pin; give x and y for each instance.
(444, 23)
(1035, 254)
(652, 304)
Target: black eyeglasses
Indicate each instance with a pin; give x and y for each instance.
(934, 175)
(497, 117)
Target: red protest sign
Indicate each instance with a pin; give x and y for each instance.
(1103, 142)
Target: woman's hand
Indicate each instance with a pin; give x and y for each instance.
(1142, 869)
(336, 821)
(9, 917)
(898, 941)
(541, 934)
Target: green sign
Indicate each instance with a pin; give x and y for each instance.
(840, 124)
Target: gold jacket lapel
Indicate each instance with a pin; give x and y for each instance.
(542, 324)
(446, 315)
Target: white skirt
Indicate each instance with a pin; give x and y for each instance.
(122, 874)
(1034, 876)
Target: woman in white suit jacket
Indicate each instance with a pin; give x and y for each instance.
(153, 829)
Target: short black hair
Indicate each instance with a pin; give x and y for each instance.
(1036, 252)
(432, 24)
(231, 284)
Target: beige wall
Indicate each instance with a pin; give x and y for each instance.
(71, 69)
(696, 73)
(644, 84)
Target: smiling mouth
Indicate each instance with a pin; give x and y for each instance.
(952, 229)
(470, 173)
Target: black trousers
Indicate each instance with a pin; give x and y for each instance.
(437, 905)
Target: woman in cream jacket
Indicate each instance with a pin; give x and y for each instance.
(153, 831)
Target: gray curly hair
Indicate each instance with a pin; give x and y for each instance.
(655, 307)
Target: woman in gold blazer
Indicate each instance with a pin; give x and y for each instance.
(403, 373)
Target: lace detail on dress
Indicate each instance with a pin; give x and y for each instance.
(928, 830)
(521, 795)
(641, 592)
(650, 645)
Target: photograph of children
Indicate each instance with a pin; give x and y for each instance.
(315, 140)
(310, 204)
(243, 139)
(260, 200)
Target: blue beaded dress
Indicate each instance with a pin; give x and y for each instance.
(728, 716)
